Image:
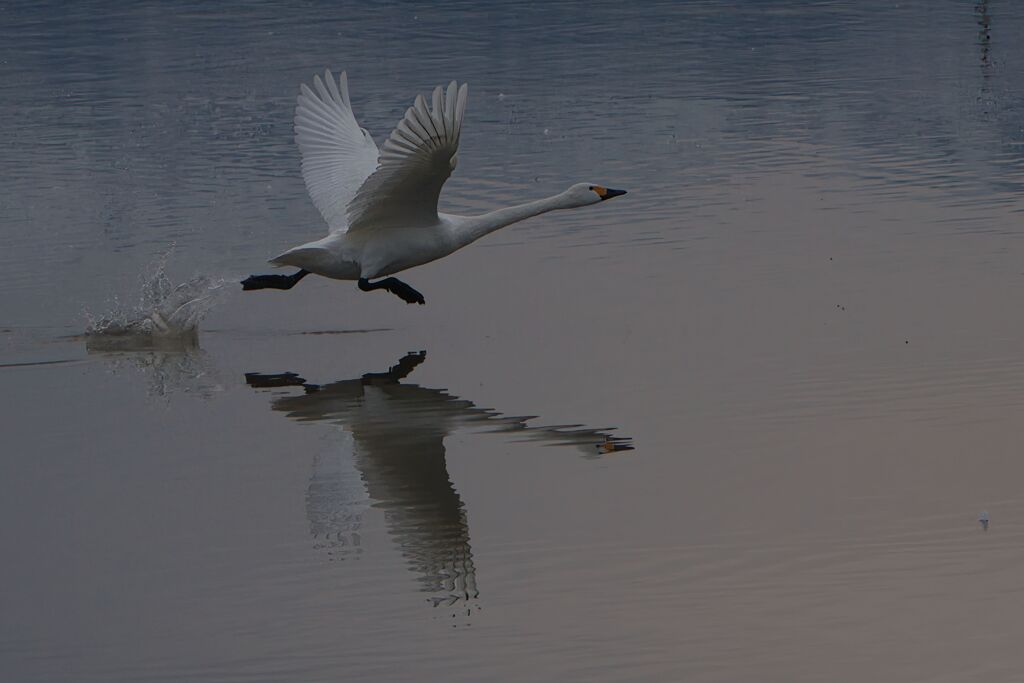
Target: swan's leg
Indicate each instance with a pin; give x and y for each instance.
(396, 287)
(273, 281)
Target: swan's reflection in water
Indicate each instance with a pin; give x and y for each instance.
(397, 433)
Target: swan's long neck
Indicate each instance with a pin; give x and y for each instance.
(475, 227)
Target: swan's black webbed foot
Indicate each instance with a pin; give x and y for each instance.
(405, 292)
(396, 287)
(273, 281)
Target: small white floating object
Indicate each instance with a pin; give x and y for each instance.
(983, 519)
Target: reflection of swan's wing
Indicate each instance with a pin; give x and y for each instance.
(400, 452)
(398, 436)
(335, 501)
(415, 161)
(337, 155)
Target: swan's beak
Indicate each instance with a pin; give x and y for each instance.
(608, 193)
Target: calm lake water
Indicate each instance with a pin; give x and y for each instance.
(738, 425)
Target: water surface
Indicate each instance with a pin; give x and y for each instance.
(737, 425)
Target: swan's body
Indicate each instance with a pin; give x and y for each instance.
(381, 205)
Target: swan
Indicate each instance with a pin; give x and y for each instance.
(381, 205)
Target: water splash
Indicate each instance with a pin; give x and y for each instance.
(166, 314)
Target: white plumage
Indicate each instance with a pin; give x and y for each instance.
(337, 155)
(381, 205)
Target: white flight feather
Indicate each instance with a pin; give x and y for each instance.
(337, 155)
(415, 161)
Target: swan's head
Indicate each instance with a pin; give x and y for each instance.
(582, 194)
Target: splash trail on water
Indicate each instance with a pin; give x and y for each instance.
(166, 314)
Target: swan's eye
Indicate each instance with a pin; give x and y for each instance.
(601, 191)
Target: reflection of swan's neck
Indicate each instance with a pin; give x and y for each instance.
(475, 227)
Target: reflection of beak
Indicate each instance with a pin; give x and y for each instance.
(609, 193)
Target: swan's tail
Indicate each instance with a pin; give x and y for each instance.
(300, 257)
(321, 257)
(316, 254)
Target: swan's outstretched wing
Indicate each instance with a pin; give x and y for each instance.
(337, 155)
(416, 160)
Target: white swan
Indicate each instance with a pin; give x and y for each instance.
(381, 205)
